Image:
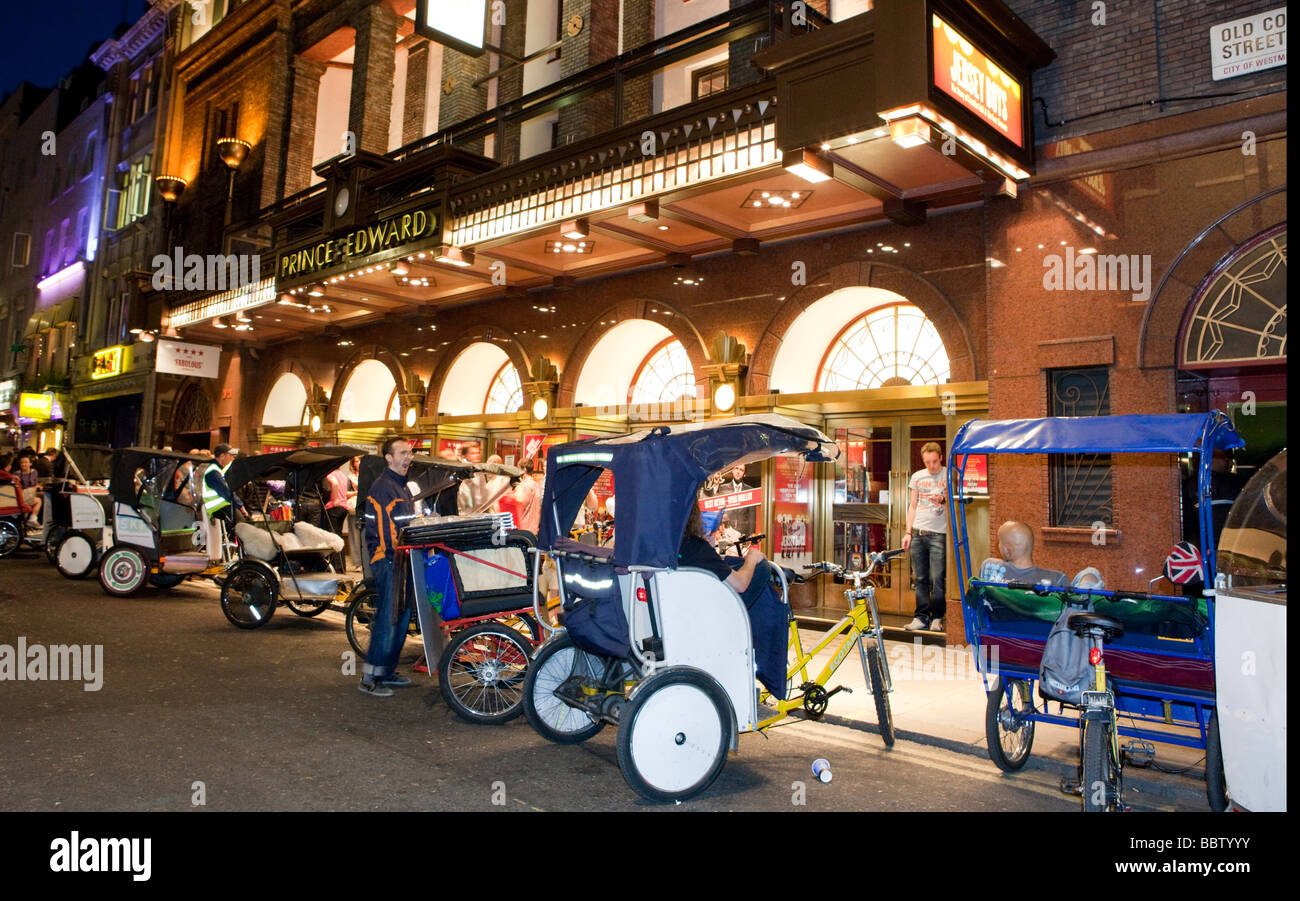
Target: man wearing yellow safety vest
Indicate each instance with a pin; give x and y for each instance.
(219, 502)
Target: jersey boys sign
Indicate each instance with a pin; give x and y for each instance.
(971, 78)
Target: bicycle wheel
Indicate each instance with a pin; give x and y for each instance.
(1100, 782)
(356, 623)
(1007, 727)
(166, 580)
(674, 734)
(307, 608)
(11, 537)
(75, 556)
(883, 714)
(248, 598)
(52, 541)
(1216, 786)
(482, 671)
(553, 719)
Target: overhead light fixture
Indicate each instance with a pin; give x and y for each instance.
(399, 268)
(541, 409)
(316, 291)
(217, 323)
(644, 212)
(910, 132)
(576, 229)
(454, 256)
(775, 199)
(808, 165)
(565, 245)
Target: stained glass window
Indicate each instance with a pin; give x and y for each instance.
(506, 393)
(890, 345)
(664, 376)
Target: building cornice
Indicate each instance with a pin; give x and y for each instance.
(147, 29)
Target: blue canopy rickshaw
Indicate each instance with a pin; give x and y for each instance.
(667, 652)
(1162, 668)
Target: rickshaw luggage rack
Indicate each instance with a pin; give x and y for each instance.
(1156, 678)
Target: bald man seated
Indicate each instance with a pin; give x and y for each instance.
(1016, 544)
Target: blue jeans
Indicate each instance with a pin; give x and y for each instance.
(386, 636)
(929, 567)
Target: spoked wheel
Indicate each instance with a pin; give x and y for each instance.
(1099, 780)
(52, 543)
(1216, 783)
(880, 689)
(356, 623)
(553, 719)
(75, 556)
(482, 672)
(166, 580)
(122, 571)
(11, 537)
(248, 598)
(673, 735)
(1007, 725)
(307, 608)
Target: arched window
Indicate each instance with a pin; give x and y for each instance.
(1241, 316)
(506, 393)
(890, 345)
(665, 375)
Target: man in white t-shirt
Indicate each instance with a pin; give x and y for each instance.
(927, 539)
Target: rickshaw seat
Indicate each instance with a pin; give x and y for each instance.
(1165, 639)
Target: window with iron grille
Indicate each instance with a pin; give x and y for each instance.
(1081, 493)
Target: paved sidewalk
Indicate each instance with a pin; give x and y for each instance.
(938, 699)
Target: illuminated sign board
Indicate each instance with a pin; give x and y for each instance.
(36, 407)
(380, 236)
(106, 363)
(460, 24)
(973, 80)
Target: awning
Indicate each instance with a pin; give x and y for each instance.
(1169, 433)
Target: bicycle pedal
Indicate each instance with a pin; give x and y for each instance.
(837, 689)
(1139, 753)
(1071, 787)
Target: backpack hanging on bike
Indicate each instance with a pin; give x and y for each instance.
(593, 608)
(1065, 672)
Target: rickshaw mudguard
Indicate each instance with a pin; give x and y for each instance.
(734, 742)
(704, 625)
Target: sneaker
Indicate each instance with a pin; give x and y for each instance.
(395, 681)
(936, 624)
(378, 689)
(916, 625)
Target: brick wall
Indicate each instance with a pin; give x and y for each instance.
(1110, 75)
(597, 42)
(373, 71)
(302, 124)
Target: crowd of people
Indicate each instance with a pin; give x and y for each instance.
(30, 469)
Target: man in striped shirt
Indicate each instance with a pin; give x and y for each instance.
(387, 507)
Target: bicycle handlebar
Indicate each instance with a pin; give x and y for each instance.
(874, 560)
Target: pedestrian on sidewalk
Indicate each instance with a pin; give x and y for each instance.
(926, 539)
(387, 507)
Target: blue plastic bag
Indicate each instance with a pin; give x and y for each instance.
(440, 585)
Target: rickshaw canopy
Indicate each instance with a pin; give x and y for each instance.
(92, 461)
(307, 465)
(657, 474)
(1136, 433)
(127, 460)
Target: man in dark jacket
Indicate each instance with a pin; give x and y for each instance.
(387, 508)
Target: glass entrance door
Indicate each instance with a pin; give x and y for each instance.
(869, 502)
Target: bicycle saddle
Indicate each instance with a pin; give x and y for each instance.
(1080, 623)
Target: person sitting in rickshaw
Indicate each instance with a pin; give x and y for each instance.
(696, 551)
(1016, 544)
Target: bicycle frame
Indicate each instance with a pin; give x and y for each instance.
(861, 620)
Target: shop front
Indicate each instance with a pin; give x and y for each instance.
(113, 389)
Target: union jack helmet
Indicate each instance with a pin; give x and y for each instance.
(1183, 565)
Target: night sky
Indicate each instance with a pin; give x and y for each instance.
(46, 38)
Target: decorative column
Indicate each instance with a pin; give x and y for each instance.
(307, 74)
(373, 71)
